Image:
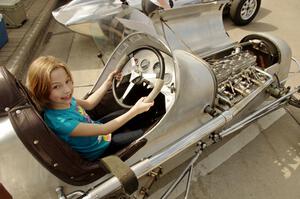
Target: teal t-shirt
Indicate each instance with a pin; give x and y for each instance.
(64, 121)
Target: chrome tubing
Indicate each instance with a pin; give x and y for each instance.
(258, 114)
(188, 170)
(296, 62)
(60, 192)
(77, 193)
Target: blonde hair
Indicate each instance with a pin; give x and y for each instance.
(38, 79)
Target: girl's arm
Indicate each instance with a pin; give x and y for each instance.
(88, 129)
(95, 98)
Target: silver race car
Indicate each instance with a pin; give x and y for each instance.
(205, 87)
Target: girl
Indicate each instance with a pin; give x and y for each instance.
(51, 86)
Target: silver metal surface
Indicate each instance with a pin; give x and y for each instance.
(19, 171)
(110, 22)
(205, 33)
(192, 74)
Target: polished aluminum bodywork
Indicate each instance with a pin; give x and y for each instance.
(193, 85)
(20, 173)
(109, 23)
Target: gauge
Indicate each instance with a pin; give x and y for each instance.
(145, 64)
(167, 78)
(156, 69)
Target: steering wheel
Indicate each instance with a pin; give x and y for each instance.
(138, 76)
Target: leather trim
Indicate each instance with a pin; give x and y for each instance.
(123, 172)
(10, 93)
(4, 194)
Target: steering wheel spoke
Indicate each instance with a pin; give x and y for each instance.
(127, 91)
(134, 76)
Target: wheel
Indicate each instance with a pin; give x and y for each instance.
(267, 48)
(242, 12)
(138, 74)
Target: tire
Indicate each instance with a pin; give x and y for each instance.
(242, 12)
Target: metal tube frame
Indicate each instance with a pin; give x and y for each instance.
(260, 113)
(188, 170)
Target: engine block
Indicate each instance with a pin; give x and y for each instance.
(237, 76)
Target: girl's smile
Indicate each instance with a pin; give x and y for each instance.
(67, 97)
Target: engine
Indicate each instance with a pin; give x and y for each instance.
(237, 76)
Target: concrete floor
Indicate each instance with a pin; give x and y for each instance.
(15, 35)
(268, 167)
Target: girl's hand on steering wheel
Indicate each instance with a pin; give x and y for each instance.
(141, 106)
(115, 74)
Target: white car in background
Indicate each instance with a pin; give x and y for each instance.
(242, 12)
